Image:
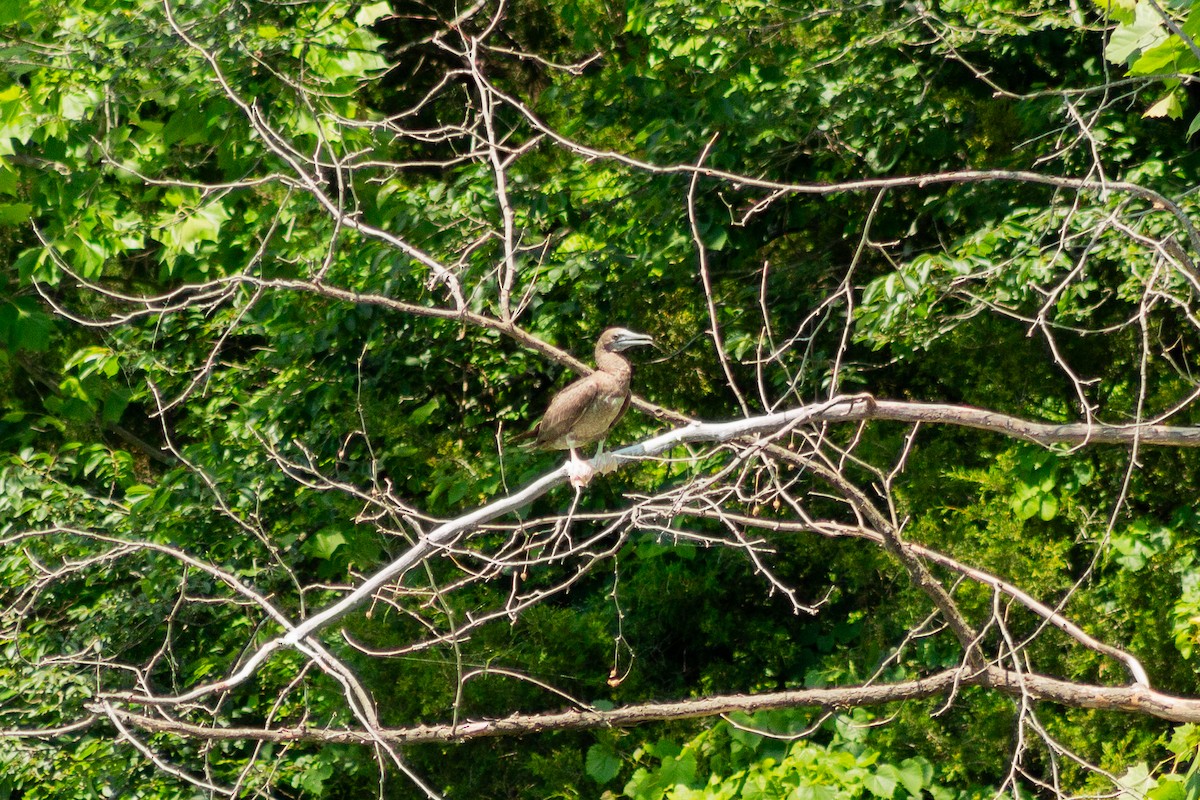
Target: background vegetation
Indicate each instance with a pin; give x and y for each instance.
(287, 276)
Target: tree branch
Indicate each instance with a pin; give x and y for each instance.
(1132, 699)
(840, 409)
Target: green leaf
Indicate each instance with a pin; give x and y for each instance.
(1171, 56)
(1185, 743)
(1048, 508)
(77, 103)
(1168, 106)
(191, 227)
(25, 324)
(717, 238)
(14, 213)
(95, 360)
(1195, 126)
(1129, 40)
(116, 400)
(1139, 542)
(138, 493)
(422, 413)
(664, 748)
(354, 56)
(1136, 782)
(325, 543)
(188, 125)
(915, 774)
(1191, 783)
(602, 764)
(1119, 10)
(93, 462)
(35, 263)
(314, 777)
(1169, 789)
(17, 120)
(371, 12)
(12, 11)
(810, 791)
(883, 782)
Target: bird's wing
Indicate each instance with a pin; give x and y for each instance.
(566, 410)
(524, 436)
(621, 413)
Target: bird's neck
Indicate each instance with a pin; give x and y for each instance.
(613, 364)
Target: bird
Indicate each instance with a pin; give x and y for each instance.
(586, 410)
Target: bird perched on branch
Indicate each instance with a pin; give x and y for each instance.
(586, 410)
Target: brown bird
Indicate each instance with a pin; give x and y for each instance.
(586, 410)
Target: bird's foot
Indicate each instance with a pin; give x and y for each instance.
(605, 463)
(579, 472)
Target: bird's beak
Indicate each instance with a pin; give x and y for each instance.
(633, 340)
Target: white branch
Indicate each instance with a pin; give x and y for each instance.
(841, 409)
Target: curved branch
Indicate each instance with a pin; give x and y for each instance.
(839, 409)
(852, 408)
(1155, 199)
(1131, 699)
(859, 408)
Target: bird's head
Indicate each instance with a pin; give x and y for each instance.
(615, 340)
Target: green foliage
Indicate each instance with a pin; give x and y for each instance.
(1149, 42)
(1040, 482)
(207, 162)
(735, 759)
(1185, 745)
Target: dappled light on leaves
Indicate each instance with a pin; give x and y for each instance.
(904, 505)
